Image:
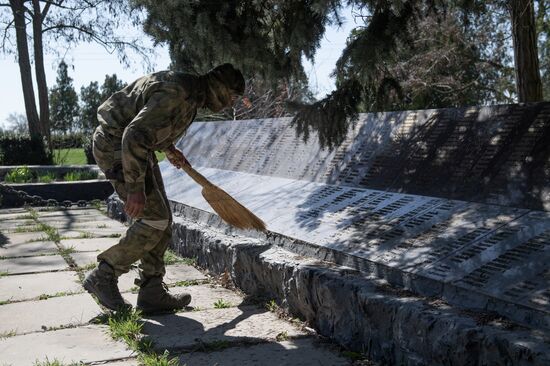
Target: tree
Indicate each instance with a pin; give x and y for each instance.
(17, 122)
(63, 102)
(91, 98)
(270, 38)
(266, 38)
(111, 85)
(543, 35)
(524, 32)
(65, 21)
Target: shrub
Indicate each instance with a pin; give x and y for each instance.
(19, 175)
(69, 141)
(87, 145)
(18, 149)
(79, 175)
(46, 178)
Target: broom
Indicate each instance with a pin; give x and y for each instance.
(225, 206)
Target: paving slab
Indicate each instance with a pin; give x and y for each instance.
(19, 238)
(83, 259)
(203, 296)
(182, 272)
(132, 362)
(88, 224)
(25, 287)
(27, 249)
(12, 213)
(83, 344)
(89, 244)
(97, 232)
(72, 212)
(69, 233)
(30, 228)
(33, 264)
(302, 352)
(34, 316)
(245, 324)
(14, 224)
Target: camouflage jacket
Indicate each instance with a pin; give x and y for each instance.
(150, 114)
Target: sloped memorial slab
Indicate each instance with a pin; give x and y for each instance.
(451, 202)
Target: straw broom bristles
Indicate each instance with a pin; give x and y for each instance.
(228, 208)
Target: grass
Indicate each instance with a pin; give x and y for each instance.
(272, 306)
(66, 251)
(79, 175)
(78, 157)
(27, 229)
(283, 336)
(51, 232)
(153, 359)
(222, 304)
(187, 283)
(69, 157)
(55, 362)
(85, 235)
(172, 258)
(46, 178)
(126, 325)
(4, 273)
(57, 294)
(8, 334)
(87, 267)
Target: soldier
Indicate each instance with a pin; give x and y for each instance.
(146, 116)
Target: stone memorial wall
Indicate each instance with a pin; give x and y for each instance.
(450, 203)
(498, 154)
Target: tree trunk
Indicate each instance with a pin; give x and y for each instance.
(39, 69)
(524, 34)
(25, 66)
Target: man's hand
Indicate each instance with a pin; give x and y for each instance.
(134, 204)
(176, 157)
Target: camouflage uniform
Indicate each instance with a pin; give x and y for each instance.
(149, 115)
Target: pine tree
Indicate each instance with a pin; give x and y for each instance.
(90, 100)
(111, 85)
(63, 102)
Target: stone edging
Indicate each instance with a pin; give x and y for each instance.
(362, 314)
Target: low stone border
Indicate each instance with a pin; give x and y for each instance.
(365, 315)
(72, 191)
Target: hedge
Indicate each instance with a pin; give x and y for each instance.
(23, 150)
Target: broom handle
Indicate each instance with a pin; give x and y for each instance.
(197, 177)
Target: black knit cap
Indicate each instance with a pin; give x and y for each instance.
(230, 76)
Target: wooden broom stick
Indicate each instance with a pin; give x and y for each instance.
(228, 208)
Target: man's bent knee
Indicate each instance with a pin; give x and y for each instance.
(156, 224)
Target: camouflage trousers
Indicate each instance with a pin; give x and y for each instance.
(149, 235)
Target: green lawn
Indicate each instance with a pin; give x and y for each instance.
(69, 157)
(77, 156)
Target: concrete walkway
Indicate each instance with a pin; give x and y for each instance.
(47, 319)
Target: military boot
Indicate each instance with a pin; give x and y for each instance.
(154, 297)
(103, 283)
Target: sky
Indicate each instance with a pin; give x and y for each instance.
(91, 62)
